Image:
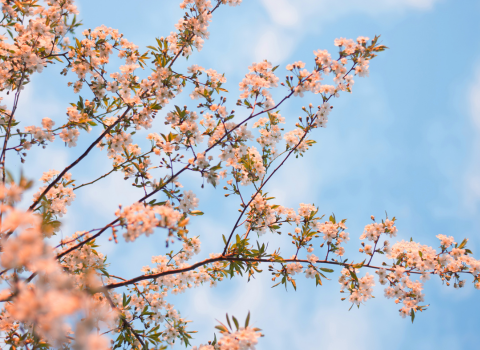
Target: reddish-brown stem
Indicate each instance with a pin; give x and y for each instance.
(233, 258)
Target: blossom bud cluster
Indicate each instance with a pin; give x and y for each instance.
(39, 134)
(270, 132)
(59, 196)
(36, 31)
(334, 234)
(410, 259)
(83, 260)
(141, 219)
(373, 231)
(242, 339)
(214, 81)
(263, 216)
(360, 288)
(256, 83)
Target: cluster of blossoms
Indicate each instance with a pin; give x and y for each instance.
(43, 309)
(360, 288)
(414, 257)
(296, 139)
(39, 134)
(238, 135)
(249, 167)
(184, 122)
(372, 233)
(11, 193)
(83, 260)
(334, 235)
(322, 115)
(242, 339)
(312, 81)
(59, 196)
(159, 144)
(409, 258)
(141, 219)
(44, 306)
(38, 30)
(263, 216)
(294, 268)
(214, 81)
(256, 83)
(147, 296)
(70, 137)
(270, 132)
(188, 202)
(27, 246)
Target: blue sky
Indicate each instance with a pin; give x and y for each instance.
(406, 142)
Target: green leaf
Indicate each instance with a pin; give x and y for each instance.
(247, 320)
(236, 322)
(463, 244)
(326, 270)
(332, 218)
(412, 315)
(354, 275)
(228, 321)
(221, 329)
(360, 265)
(196, 212)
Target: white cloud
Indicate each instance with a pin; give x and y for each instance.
(292, 19)
(290, 12)
(282, 12)
(273, 45)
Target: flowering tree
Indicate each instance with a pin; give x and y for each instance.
(64, 296)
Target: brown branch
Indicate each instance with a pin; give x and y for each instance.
(7, 135)
(116, 220)
(115, 168)
(107, 130)
(233, 258)
(262, 185)
(125, 322)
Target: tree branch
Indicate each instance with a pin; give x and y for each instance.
(233, 258)
(107, 130)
